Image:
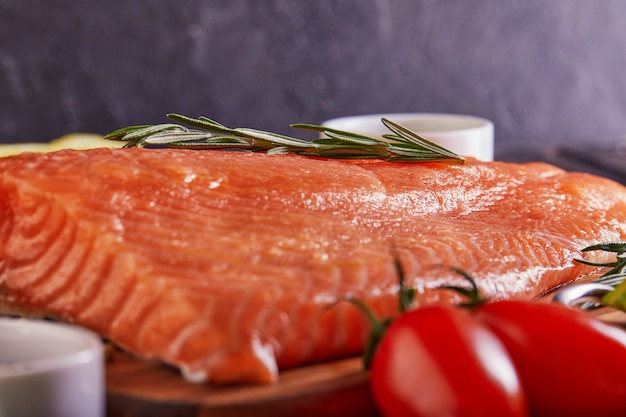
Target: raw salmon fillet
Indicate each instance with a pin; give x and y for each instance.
(233, 266)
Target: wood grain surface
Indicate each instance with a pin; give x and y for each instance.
(138, 388)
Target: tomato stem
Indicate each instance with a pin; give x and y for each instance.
(473, 295)
(378, 330)
(405, 302)
(405, 295)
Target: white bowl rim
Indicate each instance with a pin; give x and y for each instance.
(401, 118)
(91, 348)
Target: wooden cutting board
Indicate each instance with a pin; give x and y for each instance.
(333, 389)
(137, 388)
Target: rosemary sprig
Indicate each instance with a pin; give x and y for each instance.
(617, 273)
(401, 145)
(614, 277)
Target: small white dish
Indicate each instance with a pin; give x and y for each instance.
(50, 369)
(466, 135)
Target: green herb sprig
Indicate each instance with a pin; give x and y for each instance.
(617, 273)
(615, 277)
(401, 145)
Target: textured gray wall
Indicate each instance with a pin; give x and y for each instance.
(543, 70)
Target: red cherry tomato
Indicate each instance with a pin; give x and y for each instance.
(441, 361)
(570, 363)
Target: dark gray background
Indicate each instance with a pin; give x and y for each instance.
(542, 70)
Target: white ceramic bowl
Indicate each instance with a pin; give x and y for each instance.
(465, 135)
(50, 369)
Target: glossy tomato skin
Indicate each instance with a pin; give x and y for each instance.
(441, 361)
(570, 363)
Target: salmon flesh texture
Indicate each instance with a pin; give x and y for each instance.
(232, 266)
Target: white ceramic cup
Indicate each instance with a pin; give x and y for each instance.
(50, 369)
(465, 135)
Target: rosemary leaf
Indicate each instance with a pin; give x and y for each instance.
(209, 145)
(150, 131)
(273, 139)
(214, 141)
(618, 267)
(166, 137)
(279, 150)
(328, 131)
(358, 140)
(411, 137)
(201, 122)
(120, 134)
(346, 152)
